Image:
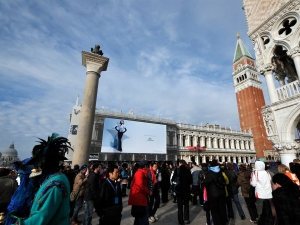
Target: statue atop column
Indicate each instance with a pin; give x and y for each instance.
(97, 50)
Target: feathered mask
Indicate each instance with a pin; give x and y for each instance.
(52, 150)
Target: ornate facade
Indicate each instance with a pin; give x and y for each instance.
(9, 156)
(220, 142)
(275, 31)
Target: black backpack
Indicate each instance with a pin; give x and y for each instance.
(219, 181)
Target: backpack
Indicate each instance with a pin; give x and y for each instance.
(219, 181)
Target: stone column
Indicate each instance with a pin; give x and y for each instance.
(246, 145)
(232, 144)
(197, 159)
(237, 144)
(202, 142)
(221, 143)
(239, 159)
(195, 140)
(228, 158)
(242, 144)
(295, 55)
(187, 140)
(234, 159)
(95, 64)
(175, 139)
(204, 159)
(208, 142)
(226, 143)
(251, 145)
(267, 71)
(179, 140)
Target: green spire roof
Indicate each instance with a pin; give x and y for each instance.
(240, 50)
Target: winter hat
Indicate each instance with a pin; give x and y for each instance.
(83, 167)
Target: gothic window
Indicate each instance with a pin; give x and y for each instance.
(286, 27)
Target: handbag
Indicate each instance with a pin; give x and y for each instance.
(138, 210)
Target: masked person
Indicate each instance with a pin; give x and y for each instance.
(51, 204)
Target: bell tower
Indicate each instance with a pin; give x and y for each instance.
(249, 96)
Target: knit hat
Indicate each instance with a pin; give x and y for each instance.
(144, 162)
(83, 167)
(214, 163)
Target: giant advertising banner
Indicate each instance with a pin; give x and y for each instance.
(126, 136)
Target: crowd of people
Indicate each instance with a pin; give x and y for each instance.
(48, 193)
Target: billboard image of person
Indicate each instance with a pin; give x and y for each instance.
(121, 130)
(136, 137)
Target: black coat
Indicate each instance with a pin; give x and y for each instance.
(92, 187)
(287, 205)
(106, 203)
(213, 191)
(232, 187)
(185, 179)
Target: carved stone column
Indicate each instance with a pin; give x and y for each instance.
(234, 159)
(179, 140)
(204, 159)
(228, 158)
(267, 70)
(295, 55)
(226, 143)
(237, 144)
(221, 143)
(232, 144)
(215, 145)
(95, 63)
(247, 145)
(195, 139)
(208, 142)
(242, 144)
(187, 140)
(202, 141)
(239, 159)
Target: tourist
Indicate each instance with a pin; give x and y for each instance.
(164, 183)
(78, 190)
(296, 167)
(154, 199)
(138, 196)
(173, 183)
(285, 201)
(203, 171)
(233, 189)
(130, 174)
(244, 181)
(285, 170)
(261, 180)
(124, 180)
(195, 171)
(183, 192)
(51, 204)
(91, 193)
(7, 188)
(109, 206)
(215, 186)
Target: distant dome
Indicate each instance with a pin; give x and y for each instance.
(11, 151)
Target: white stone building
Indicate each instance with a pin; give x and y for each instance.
(220, 142)
(9, 156)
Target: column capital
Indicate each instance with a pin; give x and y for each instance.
(94, 62)
(267, 68)
(294, 52)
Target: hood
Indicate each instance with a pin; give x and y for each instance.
(259, 166)
(195, 168)
(215, 169)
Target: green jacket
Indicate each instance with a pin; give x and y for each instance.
(51, 204)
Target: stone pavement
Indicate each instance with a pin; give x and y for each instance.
(167, 214)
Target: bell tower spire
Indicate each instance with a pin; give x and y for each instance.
(249, 96)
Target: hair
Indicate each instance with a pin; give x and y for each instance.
(286, 183)
(182, 162)
(154, 163)
(283, 168)
(4, 172)
(230, 166)
(204, 164)
(111, 168)
(95, 166)
(194, 163)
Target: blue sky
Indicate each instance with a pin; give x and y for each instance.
(168, 58)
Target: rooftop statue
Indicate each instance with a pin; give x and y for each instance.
(97, 50)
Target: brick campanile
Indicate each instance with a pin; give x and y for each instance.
(250, 98)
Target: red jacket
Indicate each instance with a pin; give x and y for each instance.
(139, 189)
